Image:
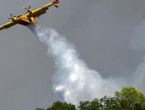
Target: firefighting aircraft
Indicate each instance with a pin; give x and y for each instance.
(29, 17)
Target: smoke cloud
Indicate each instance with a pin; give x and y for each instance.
(74, 81)
(137, 43)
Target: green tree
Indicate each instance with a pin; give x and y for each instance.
(137, 106)
(39, 108)
(109, 103)
(86, 105)
(130, 98)
(61, 106)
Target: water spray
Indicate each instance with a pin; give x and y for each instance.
(73, 81)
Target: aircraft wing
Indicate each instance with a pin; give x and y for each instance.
(42, 10)
(7, 25)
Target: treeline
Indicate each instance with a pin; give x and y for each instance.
(128, 99)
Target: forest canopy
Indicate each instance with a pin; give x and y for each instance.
(127, 99)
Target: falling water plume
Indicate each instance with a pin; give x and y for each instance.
(73, 81)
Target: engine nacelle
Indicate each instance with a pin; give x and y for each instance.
(30, 10)
(14, 18)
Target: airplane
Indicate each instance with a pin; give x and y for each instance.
(29, 17)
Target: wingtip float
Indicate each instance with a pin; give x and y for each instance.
(29, 17)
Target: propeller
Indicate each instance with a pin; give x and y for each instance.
(11, 16)
(27, 9)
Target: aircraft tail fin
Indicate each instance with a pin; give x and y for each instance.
(56, 1)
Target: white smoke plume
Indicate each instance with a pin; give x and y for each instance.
(137, 43)
(73, 81)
